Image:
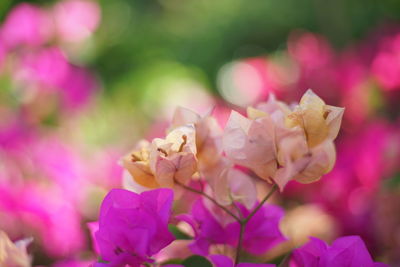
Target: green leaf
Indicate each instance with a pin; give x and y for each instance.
(392, 183)
(178, 233)
(196, 261)
(172, 261)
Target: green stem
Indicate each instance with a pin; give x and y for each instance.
(244, 222)
(239, 245)
(271, 192)
(208, 197)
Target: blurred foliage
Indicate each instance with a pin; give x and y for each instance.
(205, 34)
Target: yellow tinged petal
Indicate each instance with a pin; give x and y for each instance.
(253, 113)
(333, 119)
(309, 115)
(141, 173)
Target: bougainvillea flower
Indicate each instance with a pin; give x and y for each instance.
(231, 185)
(208, 136)
(228, 184)
(224, 261)
(282, 143)
(301, 163)
(308, 155)
(133, 227)
(349, 251)
(250, 143)
(163, 161)
(262, 231)
(318, 120)
(14, 254)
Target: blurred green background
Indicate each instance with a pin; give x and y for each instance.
(141, 38)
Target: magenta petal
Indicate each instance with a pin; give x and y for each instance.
(133, 227)
(347, 251)
(255, 265)
(221, 261)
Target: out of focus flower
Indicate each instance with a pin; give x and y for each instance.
(13, 254)
(25, 25)
(309, 50)
(307, 220)
(76, 20)
(262, 231)
(48, 71)
(349, 251)
(163, 161)
(386, 64)
(36, 210)
(133, 227)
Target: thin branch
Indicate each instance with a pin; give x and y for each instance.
(208, 197)
(244, 222)
(240, 241)
(271, 192)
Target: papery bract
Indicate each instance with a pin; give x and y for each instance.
(232, 185)
(133, 227)
(250, 143)
(318, 120)
(262, 231)
(349, 251)
(13, 254)
(163, 161)
(208, 136)
(282, 144)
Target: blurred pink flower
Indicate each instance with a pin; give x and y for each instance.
(310, 50)
(49, 70)
(76, 20)
(26, 24)
(77, 88)
(349, 251)
(47, 67)
(45, 215)
(386, 65)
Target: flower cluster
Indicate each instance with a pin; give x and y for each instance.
(197, 195)
(277, 142)
(363, 78)
(224, 218)
(36, 47)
